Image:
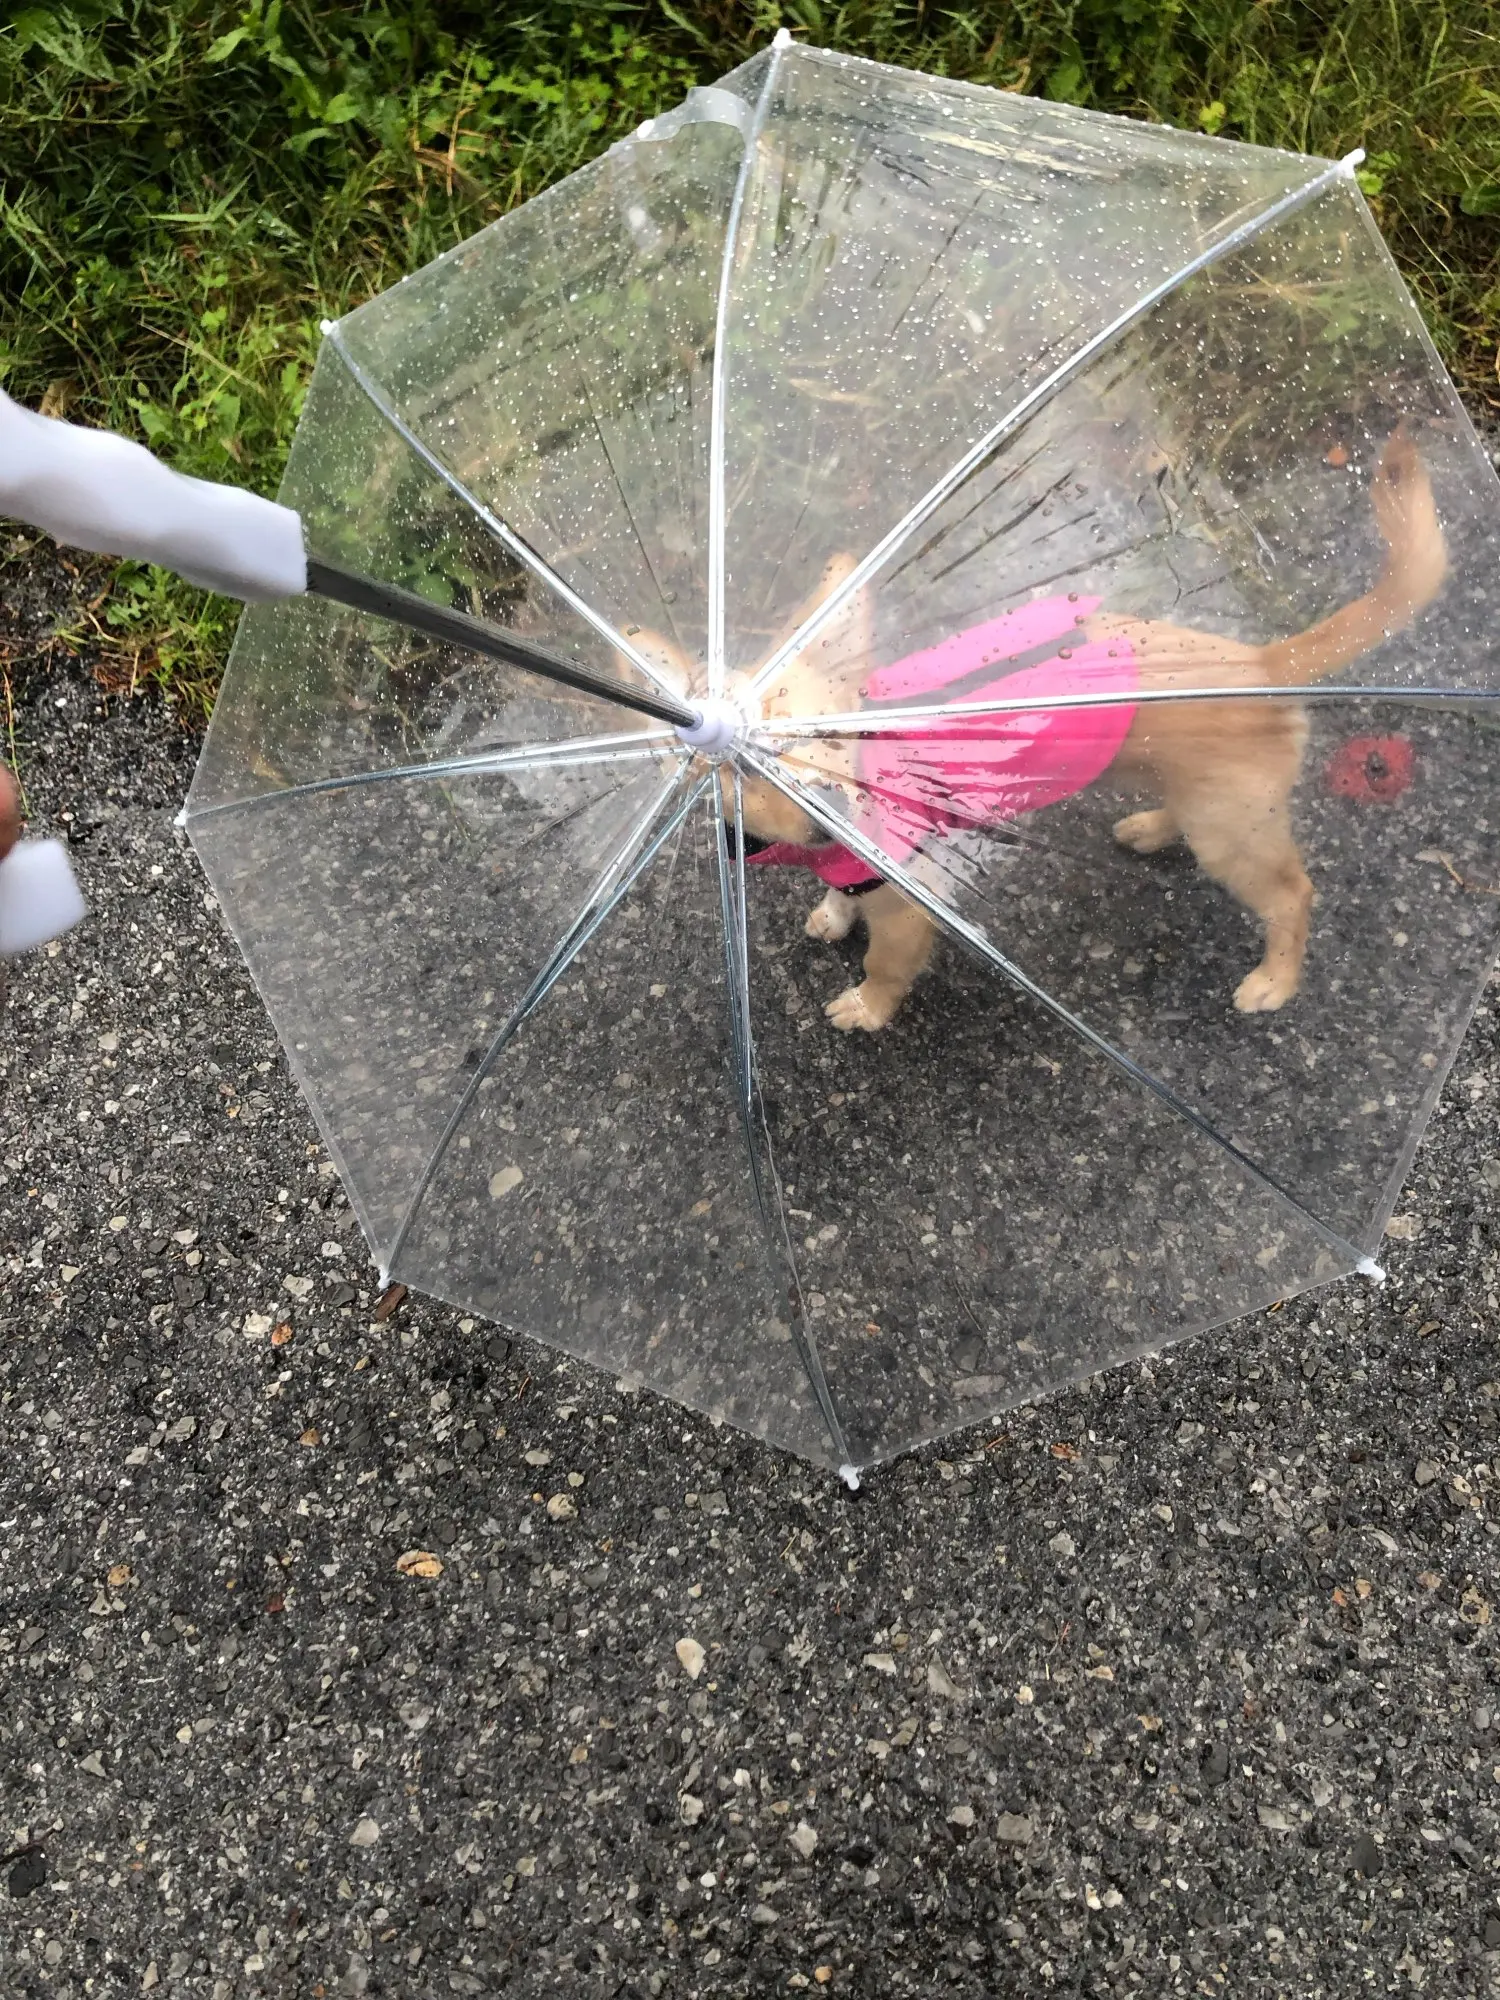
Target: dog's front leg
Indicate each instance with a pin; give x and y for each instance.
(834, 917)
(901, 939)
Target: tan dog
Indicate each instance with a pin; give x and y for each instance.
(1224, 770)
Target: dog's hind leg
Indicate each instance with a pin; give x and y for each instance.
(1241, 835)
(1147, 832)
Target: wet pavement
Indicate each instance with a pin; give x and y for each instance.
(359, 1647)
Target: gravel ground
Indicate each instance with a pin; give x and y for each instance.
(1183, 1681)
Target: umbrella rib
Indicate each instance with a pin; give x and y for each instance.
(581, 753)
(574, 345)
(736, 947)
(718, 388)
(874, 722)
(752, 1114)
(955, 925)
(503, 533)
(618, 877)
(1034, 399)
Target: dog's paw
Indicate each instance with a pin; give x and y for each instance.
(1263, 992)
(859, 1007)
(1147, 832)
(833, 918)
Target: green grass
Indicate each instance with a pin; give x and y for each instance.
(188, 186)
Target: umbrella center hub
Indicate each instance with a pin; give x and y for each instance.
(719, 727)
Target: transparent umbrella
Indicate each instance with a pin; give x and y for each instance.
(1056, 539)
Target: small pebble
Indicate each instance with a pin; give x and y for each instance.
(942, 1683)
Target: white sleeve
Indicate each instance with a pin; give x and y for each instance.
(93, 490)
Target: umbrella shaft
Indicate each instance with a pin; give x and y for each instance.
(477, 635)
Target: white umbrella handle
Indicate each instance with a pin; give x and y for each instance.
(93, 490)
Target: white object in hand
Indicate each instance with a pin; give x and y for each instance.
(39, 896)
(92, 490)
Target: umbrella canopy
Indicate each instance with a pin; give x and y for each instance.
(1049, 533)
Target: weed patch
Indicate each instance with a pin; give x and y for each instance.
(187, 187)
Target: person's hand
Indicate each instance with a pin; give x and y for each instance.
(10, 812)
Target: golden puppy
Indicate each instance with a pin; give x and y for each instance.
(1223, 770)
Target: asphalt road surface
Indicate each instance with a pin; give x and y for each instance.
(348, 1654)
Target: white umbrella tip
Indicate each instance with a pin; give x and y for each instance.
(1368, 1268)
(719, 725)
(782, 39)
(850, 1476)
(181, 819)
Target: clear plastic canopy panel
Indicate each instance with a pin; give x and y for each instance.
(831, 383)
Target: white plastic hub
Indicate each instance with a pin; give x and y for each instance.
(718, 727)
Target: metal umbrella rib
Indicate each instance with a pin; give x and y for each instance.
(619, 876)
(516, 544)
(900, 720)
(573, 753)
(768, 1202)
(718, 395)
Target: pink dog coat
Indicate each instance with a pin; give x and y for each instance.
(932, 778)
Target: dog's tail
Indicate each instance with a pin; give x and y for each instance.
(1416, 562)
